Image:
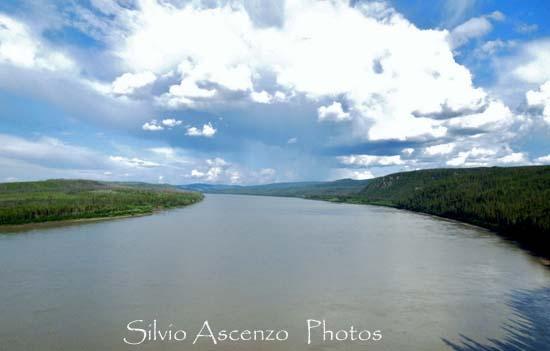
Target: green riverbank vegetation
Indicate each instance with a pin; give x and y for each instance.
(55, 200)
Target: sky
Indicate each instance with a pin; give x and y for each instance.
(256, 91)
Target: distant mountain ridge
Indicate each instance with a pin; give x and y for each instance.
(295, 189)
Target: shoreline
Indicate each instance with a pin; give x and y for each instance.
(542, 256)
(23, 227)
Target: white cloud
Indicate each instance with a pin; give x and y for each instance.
(459, 160)
(533, 66)
(333, 112)
(155, 126)
(491, 47)
(292, 141)
(473, 28)
(541, 98)
(407, 151)
(514, 158)
(525, 28)
(133, 162)
(171, 122)
(280, 96)
(218, 162)
(186, 93)
(262, 97)
(370, 160)
(152, 126)
(167, 152)
(481, 157)
(19, 47)
(217, 170)
(389, 79)
(543, 159)
(207, 131)
(482, 152)
(306, 55)
(129, 82)
(496, 116)
(441, 149)
(49, 151)
(346, 173)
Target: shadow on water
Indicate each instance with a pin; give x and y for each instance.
(528, 331)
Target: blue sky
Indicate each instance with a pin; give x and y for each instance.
(254, 91)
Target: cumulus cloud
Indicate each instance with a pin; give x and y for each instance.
(171, 122)
(129, 82)
(262, 97)
(370, 160)
(441, 149)
(514, 158)
(543, 159)
(305, 55)
(207, 131)
(532, 64)
(541, 99)
(333, 112)
(483, 156)
(217, 169)
(155, 126)
(152, 126)
(20, 47)
(389, 80)
(496, 116)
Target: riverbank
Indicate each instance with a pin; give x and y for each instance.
(537, 249)
(27, 203)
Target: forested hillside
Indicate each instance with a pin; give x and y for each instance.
(52, 200)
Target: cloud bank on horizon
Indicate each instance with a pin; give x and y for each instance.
(255, 92)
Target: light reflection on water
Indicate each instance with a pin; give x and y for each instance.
(264, 263)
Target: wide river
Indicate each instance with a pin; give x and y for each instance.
(262, 263)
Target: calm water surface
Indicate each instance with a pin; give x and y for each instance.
(247, 262)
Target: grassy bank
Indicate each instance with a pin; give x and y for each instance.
(55, 200)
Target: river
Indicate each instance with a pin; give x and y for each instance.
(266, 263)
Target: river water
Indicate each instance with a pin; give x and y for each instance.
(266, 263)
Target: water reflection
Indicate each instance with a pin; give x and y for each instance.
(529, 330)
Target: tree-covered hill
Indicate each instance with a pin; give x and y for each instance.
(52, 200)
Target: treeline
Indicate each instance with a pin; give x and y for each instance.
(513, 201)
(297, 189)
(52, 200)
